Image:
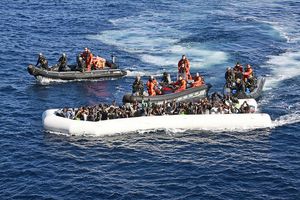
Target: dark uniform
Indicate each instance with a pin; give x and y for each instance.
(165, 79)
(62, 63)
(42, 61)
(138, 87)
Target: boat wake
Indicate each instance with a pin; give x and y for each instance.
(292, 118)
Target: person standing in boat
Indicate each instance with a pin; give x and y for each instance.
(62, 63)
(87, 57)
(238, 71)
(138, 87)
(229, 77)
(184, 68)
(42, 61)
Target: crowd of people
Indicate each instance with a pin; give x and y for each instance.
(184, 81)
(240, 81)
(85, 62)
(215, 104)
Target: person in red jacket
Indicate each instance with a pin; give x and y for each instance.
(248, 72)
(87, 57)
(198, 81)
(180, 85)
(184, 67)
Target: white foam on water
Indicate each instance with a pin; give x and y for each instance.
(142, 73)
(284, 66)
(287, 119)
(156, 41)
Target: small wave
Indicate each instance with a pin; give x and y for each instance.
(287, 119)
(142, 73)
(284, 66)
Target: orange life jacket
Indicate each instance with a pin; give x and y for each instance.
(181, 84)
(248, 72)
(198, 81)
(151, 88)
(186, 63)
(87, 56)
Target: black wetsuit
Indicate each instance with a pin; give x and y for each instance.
(43, 61)
(138, 87)
(165, 80)
(62, 63)
(229, 77)
(240, 90)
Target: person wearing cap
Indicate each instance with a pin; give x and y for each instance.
(198, 81)
(42, 61)
(87, 57)
(62, 63)
(184, 67)
(138, 86)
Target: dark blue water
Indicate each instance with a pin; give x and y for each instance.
(148, 38)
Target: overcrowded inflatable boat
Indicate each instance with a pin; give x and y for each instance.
(52, 122)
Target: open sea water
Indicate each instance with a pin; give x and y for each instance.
(148, 38)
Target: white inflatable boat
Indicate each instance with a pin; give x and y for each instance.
(213, 122)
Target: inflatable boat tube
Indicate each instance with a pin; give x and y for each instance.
(212, 122)
(104, 73)
(186, 95)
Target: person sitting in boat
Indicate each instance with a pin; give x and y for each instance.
(198, 81)
(238, 71)
(80, 63)
(62, 63)
(238, 67)
(87, 57)
(152, 86)
(180, 85)
(42, 62)
(184, 68)
(166, 79)
(248, 72)
(98, 62)
(251, 83)
(240, 88)
(138, 86)
(245, 108)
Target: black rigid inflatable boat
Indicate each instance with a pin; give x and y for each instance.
(105, 73)
(189, 94)
(254, 94)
